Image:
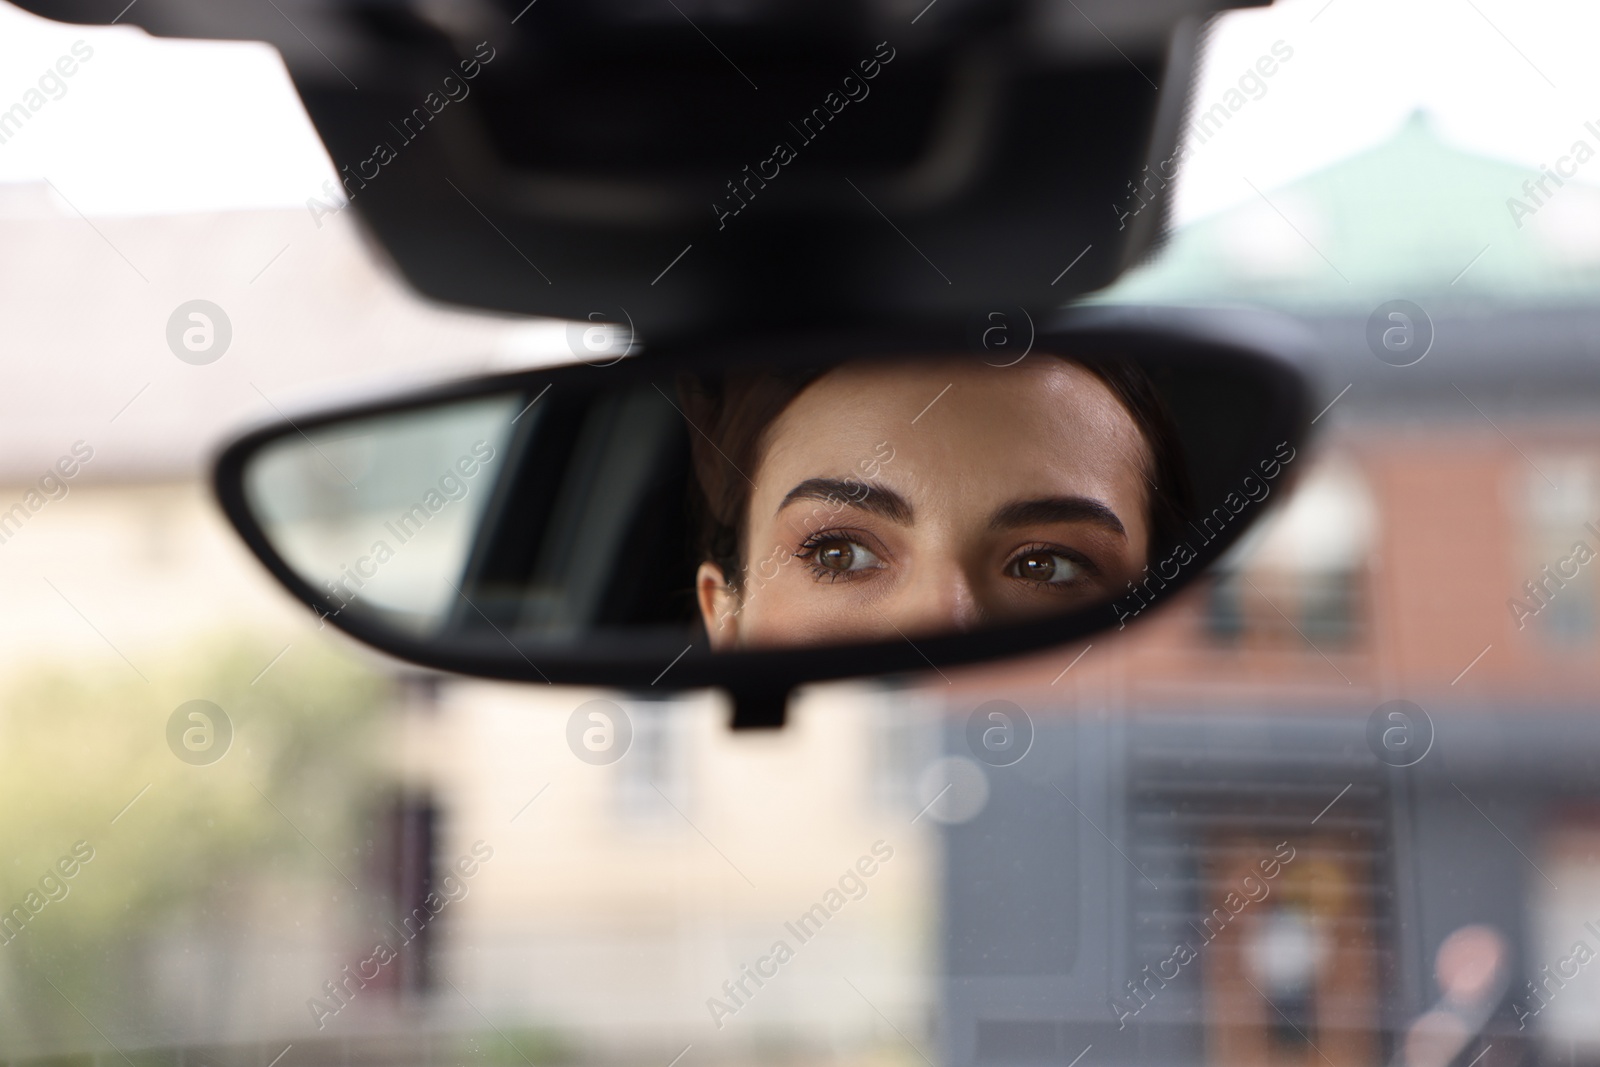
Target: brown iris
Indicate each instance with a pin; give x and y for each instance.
(836, 555)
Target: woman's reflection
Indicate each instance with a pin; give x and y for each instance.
(879, 498)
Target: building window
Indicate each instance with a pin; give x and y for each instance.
(652, 777)
(905, 738)
(1558, 590)
(1301, 573)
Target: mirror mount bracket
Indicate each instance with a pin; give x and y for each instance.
(759, 709)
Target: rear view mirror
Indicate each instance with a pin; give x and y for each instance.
(760, 512)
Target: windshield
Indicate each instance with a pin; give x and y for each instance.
(1340, 804)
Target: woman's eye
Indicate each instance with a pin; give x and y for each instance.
(842, 557)
(1045, 567)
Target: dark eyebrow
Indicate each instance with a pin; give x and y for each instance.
(874, 498)
(1057, 509)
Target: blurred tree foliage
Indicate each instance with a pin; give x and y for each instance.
(204, 851)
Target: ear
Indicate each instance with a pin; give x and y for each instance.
(719, 607)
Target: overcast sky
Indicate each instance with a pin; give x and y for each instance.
(1515, 79)
(152, 126)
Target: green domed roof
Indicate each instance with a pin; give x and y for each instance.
(1403, 219)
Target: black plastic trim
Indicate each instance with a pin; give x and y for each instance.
(760, 680)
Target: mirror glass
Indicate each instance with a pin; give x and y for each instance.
(761, 508)
(380, 514)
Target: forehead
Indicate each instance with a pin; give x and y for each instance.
(1045, 421)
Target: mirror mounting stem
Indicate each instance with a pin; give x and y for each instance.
(759, 709)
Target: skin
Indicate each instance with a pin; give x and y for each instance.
(1020, 492)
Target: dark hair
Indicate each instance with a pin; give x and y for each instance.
(731, 412)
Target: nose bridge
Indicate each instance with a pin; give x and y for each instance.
(941, 600)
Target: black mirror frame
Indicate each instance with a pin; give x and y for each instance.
(760, 681)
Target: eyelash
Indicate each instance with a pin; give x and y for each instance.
(807, 553)
(1092, 569)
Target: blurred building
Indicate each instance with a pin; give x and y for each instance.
(618, 899)
(1437, 548)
